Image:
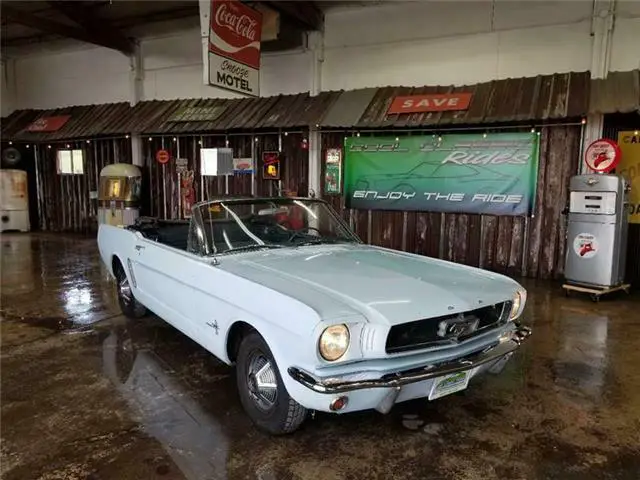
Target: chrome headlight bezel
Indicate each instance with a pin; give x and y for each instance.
(339, 336)
(517, 304)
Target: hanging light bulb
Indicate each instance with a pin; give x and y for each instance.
(10, 143)
(126, 136)
(484, 135)
(150, 138)
(533, 130)
(28, 146)
(358, 134)
(584, 121)
(48, 146)
(88, 141)
(286, 133)
(175, 139)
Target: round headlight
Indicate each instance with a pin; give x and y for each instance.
(334, 342)
(515, 307)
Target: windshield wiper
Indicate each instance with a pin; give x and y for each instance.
(317, 242)
(252, 247)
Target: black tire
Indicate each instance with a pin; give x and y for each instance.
(130, 306)
(284, 415)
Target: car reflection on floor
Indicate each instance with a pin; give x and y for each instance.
(195, 439)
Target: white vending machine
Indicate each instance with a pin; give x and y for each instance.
(14, 201)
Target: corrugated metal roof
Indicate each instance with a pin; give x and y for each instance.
(618, 93)
(85, 121)
(546, 97)
(17, 121)
(283, 111)
(348, 107)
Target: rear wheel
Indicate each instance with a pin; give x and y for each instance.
(262, 391)
(130, 306)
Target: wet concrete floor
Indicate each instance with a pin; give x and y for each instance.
(87, 394)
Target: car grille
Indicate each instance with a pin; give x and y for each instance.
(439, 331)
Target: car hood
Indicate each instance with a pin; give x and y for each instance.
(382, 285)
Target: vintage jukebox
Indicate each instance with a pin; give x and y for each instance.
(119, 194)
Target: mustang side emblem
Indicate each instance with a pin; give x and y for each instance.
(214, 325)
(453, 328)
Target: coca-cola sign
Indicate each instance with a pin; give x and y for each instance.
(235, 32)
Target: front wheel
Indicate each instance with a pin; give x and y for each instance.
(262, 391)
(130, 306)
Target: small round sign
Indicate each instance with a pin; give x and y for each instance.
(162, 156)
(602, 155)
(585, 245)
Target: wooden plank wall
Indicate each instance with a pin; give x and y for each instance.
(533, 247)
(161, 188)
(64, 203)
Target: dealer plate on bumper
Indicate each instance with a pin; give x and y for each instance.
(448, 384)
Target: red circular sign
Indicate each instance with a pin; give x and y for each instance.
(602, 155)
(162, 156)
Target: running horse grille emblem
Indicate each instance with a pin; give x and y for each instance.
(459, 326)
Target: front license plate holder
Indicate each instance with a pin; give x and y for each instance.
(448, 384)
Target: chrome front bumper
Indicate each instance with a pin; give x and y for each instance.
(396, 380)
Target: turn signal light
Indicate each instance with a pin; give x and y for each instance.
(338, 403)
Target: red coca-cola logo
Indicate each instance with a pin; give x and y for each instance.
(236, 30)
(242, 25)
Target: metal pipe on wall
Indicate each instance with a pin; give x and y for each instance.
(164, 184)
(178, 178)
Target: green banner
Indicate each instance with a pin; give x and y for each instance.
(492, 174)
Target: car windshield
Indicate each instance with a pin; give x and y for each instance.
(253, 224)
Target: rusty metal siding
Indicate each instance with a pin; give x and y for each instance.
(515, 246)
(16, 122)
(618, 93)
(562, 95)
(64, 199)
(278, 112)
(86, 121)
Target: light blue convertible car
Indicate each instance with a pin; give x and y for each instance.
(312, 318)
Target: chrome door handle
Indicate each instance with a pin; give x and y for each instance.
(139, 247)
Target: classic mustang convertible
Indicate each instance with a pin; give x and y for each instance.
(312, 318)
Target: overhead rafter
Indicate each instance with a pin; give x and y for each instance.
(306, 14)
(115, 42)
(85, 18)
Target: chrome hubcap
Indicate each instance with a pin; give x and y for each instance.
(262, 383)
(124, 289)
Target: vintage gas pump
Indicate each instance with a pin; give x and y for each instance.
(119, 194)
(597, 233)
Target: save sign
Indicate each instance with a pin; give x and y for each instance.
(465, 173)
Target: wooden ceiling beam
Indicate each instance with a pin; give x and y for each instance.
(305, 13)
(61, 29)
(84, 17)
